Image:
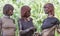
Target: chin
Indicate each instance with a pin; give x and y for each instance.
(10, 15)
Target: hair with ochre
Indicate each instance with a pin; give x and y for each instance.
(24, 9)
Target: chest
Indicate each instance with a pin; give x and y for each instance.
(7, 23)
(50, 21)
(27, 24)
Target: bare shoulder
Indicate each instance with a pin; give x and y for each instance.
(13, 20)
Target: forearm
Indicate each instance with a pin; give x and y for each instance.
(34, 29)
(24, 31)
(58, 29)
(51, 29)
(27, 30)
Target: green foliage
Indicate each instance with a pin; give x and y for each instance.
(37, 12)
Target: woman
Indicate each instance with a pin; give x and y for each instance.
(26, 25)
(8, 24)
(50, 23)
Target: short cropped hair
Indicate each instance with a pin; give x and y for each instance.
(6, 8)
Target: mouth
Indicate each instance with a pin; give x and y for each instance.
(11, 14)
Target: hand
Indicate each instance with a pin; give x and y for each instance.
(24, 31)
(54, 27)
(27, 30)
(31, 28)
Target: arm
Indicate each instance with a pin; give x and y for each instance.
(33, 27)
(20, 28)
(0, 26)
(51, 29)
(24, 31)
(46, 32)
(56, 25)
(58, 28)
(14, 24)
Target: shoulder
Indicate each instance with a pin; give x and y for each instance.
(31, 19)
(13, 20)
(56, 19)
(45, 19)
(19, 19)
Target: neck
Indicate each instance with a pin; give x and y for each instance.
(26, 19)
(50, 15)
(7, 16)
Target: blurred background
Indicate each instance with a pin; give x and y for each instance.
(37, 11)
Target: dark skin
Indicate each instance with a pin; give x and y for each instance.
(49, 9)
(8, 10)
(29, 29)
(49, 31)
(26, 17)
(58, 29)
(10, 13)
